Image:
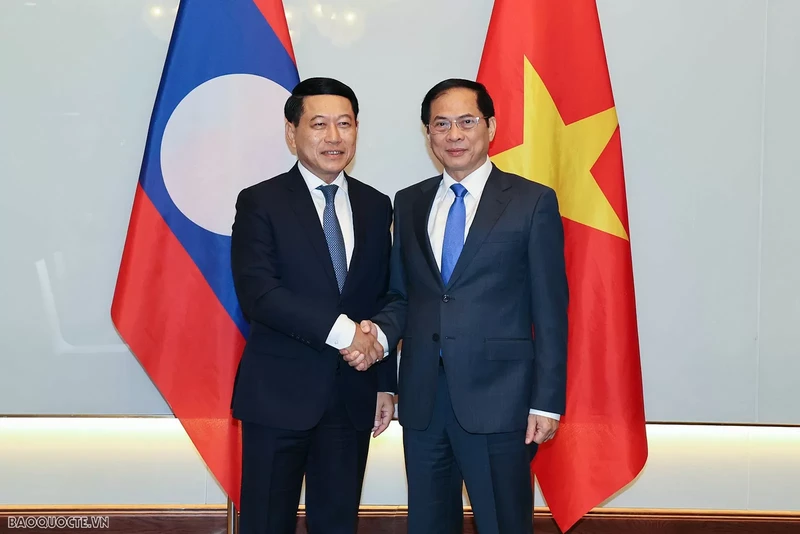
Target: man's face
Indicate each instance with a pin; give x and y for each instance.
(325, 137)
(461, 151)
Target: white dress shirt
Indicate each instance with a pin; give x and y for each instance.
(344, 329)
(474, 183)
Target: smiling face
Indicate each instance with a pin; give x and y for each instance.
(325, 136)
(460, 151)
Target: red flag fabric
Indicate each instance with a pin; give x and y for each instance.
(544, 64)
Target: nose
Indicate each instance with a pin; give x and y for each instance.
(454, 133)
(332, 134)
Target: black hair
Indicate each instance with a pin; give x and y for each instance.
(485, 103)
(293, 109)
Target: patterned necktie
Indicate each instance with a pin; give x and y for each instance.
(454, 232)
(333, 234)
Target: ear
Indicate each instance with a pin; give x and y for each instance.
(290, 133)
(492, 124)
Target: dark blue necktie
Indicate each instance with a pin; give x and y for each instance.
(333, 234)
(454, 232)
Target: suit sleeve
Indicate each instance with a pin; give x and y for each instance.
(549, 302)
(257, 280)
(387, 368)
(392, 319)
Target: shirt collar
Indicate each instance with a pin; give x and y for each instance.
(313, 181)
(474, 182)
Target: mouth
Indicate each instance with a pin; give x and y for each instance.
(455, 152)
(333, 153)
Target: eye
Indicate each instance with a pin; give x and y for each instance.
(344, 124)
(318, 125)
(441, 124)
(468, 122)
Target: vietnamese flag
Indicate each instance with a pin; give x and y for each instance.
(544, 65)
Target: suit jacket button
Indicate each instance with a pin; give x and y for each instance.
(435, 337)
(446, 298)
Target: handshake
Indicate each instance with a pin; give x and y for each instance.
(365, 349)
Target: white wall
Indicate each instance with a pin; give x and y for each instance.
(150, 461)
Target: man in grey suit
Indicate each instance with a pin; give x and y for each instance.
(477, 261)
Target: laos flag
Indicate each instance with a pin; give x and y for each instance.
(217, 127)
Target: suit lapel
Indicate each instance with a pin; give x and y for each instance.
(422, 210)
(303, 206)
(493, 203)
(358, 206)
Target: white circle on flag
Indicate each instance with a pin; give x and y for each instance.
(226, 135)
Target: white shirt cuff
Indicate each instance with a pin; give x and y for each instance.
(555, 416)
(383, 341)
(342, 334)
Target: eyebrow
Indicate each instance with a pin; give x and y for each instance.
(319, 116)
(465, 115)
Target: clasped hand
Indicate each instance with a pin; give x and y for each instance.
(365, 349)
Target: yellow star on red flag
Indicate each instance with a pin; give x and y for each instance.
(561, 156)
(545, 66)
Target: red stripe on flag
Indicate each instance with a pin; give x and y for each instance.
(276, 17)
(183, 337)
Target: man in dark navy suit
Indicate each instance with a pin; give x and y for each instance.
(477, 260)
(310, 255)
